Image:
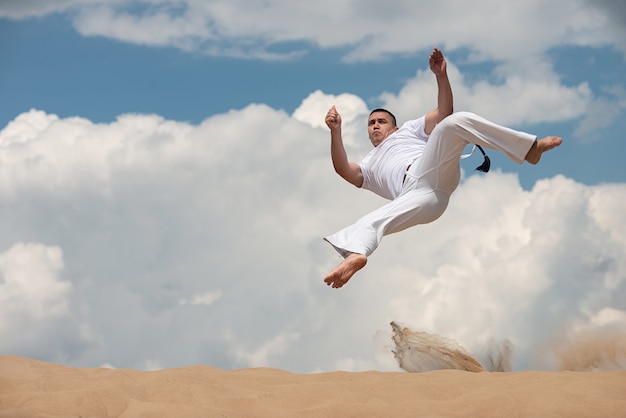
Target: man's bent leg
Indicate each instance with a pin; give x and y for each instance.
(439, 164)
(357, 241)
(345, 270)
(413, 207)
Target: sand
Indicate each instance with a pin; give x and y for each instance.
(30, 388)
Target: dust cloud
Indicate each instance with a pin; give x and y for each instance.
(592, 351)
(585, 351)
(421, 352)
(499, 356)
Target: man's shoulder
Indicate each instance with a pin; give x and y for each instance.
(414, 127)
(413, 122)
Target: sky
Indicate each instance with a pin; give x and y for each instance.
(165, 181)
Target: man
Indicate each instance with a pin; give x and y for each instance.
(415, 166)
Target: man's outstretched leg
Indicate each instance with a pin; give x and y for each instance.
(541, 146)
(344, 271)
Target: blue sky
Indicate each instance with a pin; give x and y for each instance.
(170, 138)
(66, 71)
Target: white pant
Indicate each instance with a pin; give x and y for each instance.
(431, 180)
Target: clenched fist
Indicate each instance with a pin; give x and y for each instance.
(333, 119)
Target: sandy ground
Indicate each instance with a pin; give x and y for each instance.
(30, 388)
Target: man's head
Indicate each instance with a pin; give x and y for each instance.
(380, 125)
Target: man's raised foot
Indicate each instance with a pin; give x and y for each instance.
(345, 270)
(541, 146)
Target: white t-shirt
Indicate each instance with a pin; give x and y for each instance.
(385, 166)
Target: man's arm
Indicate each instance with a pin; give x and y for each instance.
(445, 106)
(351, 172)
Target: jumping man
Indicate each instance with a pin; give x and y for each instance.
(416, 167)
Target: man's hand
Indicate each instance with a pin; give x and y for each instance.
(437, 62)
(333, 119)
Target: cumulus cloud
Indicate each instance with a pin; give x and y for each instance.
(201, 244)
(515, 101)
(35, 302)
(353, 110)
(31, 284)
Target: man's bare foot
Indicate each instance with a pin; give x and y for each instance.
(541, 146)
(345, 270)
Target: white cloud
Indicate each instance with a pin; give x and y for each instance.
(30, 283)
(608, 316)
(514, 101)
(163, 27)
(35, 303)
(601, 113)
(239, 27)
(204, 299)
(353, 111)
(150, 212)
(614, 14)
(267, 351)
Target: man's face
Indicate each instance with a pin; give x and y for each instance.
(379, 126)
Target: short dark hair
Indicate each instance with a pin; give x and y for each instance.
(380, 109)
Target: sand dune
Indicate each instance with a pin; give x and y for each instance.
(30, 388)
